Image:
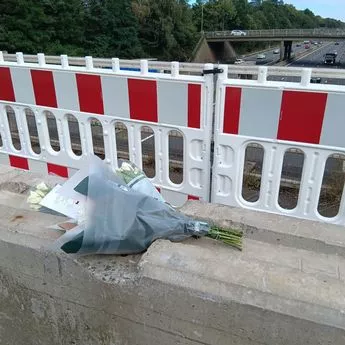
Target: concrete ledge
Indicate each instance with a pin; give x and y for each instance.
(195, 292)
(275, 229)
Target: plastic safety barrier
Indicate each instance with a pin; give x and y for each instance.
(277, 124)
(151, 108)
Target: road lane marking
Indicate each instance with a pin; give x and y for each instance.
(312, 52)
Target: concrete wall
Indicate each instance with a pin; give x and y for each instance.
(195, 292)
(213, 52)
(203, 52)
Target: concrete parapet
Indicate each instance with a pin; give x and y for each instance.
(195, 292)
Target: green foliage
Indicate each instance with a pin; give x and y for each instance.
(163, 29)
(111, 29)
(166, 28)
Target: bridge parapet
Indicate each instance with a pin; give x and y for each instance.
(278, 33)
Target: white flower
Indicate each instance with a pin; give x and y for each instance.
(126, 167)
(42, 187)
(34, 198)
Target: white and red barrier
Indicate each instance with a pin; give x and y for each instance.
(284, 113)
(163, 102)
(278, 117)
(275, 116)
(144, 97)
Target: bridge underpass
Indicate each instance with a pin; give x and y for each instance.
(216, 45)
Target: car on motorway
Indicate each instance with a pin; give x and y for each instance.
(276, 51)
(239, 61)
(238, 33)
(307, 46)
(261, 56)
(336, 43)
(315, 80)
(335, 53)
(329, 59)
(306, 42)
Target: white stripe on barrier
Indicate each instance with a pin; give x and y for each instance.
(332, 133)
(66, 90)
(260, 111)
(115, 97)
(22, 85)
(173, 103)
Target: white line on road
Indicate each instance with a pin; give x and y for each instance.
(312, 52)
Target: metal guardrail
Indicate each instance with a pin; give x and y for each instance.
(184, 67)
(302, 33)
(106, 62)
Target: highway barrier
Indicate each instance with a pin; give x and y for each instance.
(110, 102)
(269, 146)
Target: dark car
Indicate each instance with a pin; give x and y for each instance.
(315, 80)
(336, 43)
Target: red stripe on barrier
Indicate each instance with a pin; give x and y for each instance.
(19, 162)
(90, 93)
(192, 197)
(44, 88)
(301, 116)
(194, 105)
(143, 100)
(232, 109)
(57, 170)
(158, 189)
(6, 86)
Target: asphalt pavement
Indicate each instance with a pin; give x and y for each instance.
(315, 60)
(270, 57)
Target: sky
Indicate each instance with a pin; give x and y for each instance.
(324, 8)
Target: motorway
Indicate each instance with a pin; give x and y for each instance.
(314, 59)
(272, 58)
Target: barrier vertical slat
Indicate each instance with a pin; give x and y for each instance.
(311, 182)
(110, 150)
(23, 131)
(5, 131)
(271, 176)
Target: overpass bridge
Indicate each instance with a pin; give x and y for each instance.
(277, 35)
(217, 45)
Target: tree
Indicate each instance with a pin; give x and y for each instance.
(217, 15)
(111, 29)
(166, 28)
(67, 26)
(24, 26)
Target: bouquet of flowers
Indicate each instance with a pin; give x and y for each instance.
(137, 180)
(124, 214)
